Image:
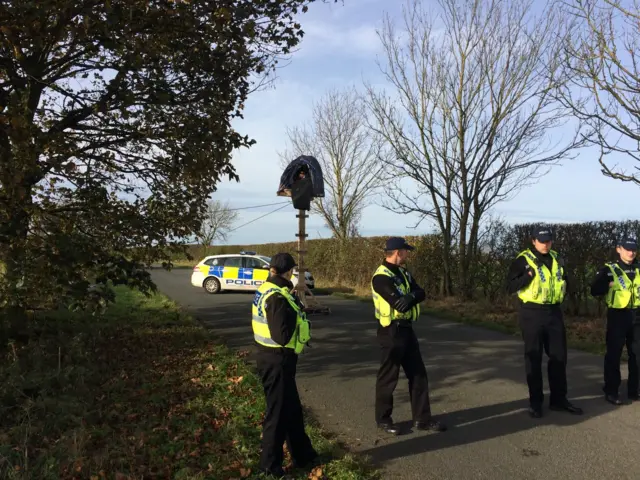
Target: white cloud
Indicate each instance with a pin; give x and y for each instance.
(329, 38)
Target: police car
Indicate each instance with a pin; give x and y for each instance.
(243, 271)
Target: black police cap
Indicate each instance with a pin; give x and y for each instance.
(397, 243)
(542, 233)
(282, 262)
(628, 243)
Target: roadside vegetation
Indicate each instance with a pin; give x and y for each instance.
(141, 391)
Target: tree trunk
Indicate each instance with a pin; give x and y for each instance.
(447, 287)
(14, 258)
(468, 253)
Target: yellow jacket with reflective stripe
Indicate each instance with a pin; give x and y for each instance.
(623, 293)
(383, 310)
(261, 333)
(546, 287)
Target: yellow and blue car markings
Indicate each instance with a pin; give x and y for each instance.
(236, 276)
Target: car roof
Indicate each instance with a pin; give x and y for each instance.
(226, 255)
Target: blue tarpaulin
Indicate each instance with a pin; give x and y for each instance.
(310, 166)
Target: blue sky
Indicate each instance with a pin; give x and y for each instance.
(340, 48)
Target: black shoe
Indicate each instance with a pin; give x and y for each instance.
(389, 427)
(566, 406)
(431, 425)
(613, 399)
(634, 397)
(535, 412)
(277, 473)
(311, 461)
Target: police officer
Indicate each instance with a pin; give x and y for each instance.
(281, 330)
(396, 298)
(539, 278)
(620, 282)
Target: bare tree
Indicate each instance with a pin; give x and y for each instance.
(604, 59)
(471, 121)
(219, 219)
(351, 157)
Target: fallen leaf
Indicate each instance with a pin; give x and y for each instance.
(210, 367)
(245, 472)
(236, 380)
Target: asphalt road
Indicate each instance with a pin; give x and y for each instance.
(477, 387)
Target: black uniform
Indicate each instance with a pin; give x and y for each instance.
(283, 419)
(542, 326)
(622, 329)
(399, 348)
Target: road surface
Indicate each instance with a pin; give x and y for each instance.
(477, 387)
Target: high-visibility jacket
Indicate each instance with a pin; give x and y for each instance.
(546, 287)
(383, 310)
(624, 293)
(261, 333)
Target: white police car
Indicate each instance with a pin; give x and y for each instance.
(243, 271)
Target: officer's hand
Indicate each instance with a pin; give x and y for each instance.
(404, 303)
(530, 271)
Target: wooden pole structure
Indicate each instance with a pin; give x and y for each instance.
(301, 287)
(307, 298)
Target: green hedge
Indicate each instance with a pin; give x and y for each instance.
(585, 247)
(346, 263)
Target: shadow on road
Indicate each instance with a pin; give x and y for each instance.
(487, 422)
(344, 348)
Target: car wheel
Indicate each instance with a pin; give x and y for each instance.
(211, 285)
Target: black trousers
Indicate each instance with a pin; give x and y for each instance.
(543, 328)
(399, 348)
(622, 330)
(283, 420)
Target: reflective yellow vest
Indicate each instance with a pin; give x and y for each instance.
(547, 287)
(384, 313)
(623, 293)
(261, 333)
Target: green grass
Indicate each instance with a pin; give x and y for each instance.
(143, 391)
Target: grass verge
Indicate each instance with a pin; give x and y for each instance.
(586, 334)
(142, 391)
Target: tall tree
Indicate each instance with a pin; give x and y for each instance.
(219, 218)
(115, 126)
(472, 115)
(351, 157)
(604, 59)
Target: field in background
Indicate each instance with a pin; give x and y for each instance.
(142, 391)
